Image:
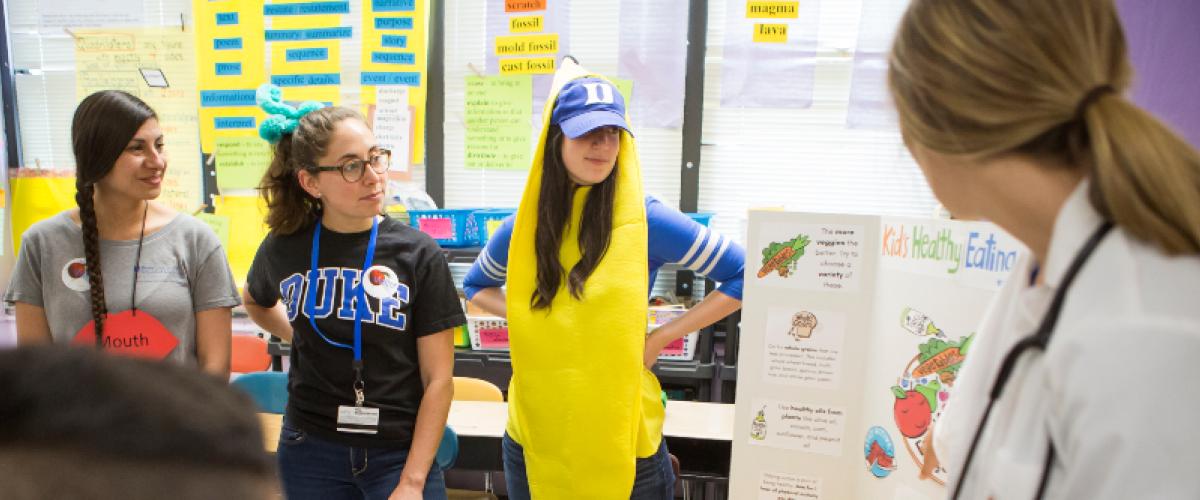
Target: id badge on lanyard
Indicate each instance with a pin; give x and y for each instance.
(356, 419)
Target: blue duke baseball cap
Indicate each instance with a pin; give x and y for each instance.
(586, 104)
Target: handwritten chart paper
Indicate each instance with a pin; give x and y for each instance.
(393, 124)
(113, 59)
(498, 122)
(241, 162)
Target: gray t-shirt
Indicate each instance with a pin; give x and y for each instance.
(183, 271)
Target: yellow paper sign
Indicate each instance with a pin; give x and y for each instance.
(219, 225)
(307, 57)
(523, 45)
(530, 66)
(772, 10)
(770, 33)
(246, 216)
(231, 63)
(37, 198)
(526, 24)
(307, 77)
(379, 40)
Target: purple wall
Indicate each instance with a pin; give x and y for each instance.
(1164, 44)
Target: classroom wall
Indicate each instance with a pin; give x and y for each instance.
(1164, 44)
(593, 39)
(806, 159)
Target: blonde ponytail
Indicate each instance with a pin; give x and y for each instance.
(985, 78)
(1145, 178)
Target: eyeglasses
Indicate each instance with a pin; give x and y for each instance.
(353, 170)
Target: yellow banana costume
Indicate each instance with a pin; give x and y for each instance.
(581, 404)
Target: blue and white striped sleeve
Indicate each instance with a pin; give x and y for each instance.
(676, 238)
(490, 269)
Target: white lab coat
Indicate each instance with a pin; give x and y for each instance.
(1118, 389)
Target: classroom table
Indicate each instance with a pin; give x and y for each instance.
(699, 434)
(496, 367)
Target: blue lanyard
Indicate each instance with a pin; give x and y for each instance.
(310, 301)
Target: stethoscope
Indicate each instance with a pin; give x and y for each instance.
(1038, 340)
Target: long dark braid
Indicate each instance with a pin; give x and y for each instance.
(102, 127)
(91, 254)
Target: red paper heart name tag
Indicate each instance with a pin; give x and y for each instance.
(141, 335)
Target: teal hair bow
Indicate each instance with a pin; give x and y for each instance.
(282, 118)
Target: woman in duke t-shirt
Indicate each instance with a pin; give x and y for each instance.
(368, 304)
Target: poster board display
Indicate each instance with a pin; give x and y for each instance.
(853, 330)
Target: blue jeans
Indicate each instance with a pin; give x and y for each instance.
(311, 467)
(655, 480)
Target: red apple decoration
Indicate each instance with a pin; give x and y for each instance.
(912, 412)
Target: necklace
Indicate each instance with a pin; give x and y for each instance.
(137, 261)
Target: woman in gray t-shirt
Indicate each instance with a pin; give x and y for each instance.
(151, 282)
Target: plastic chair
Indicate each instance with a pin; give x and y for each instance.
(248, 353)
(476, 389)
(267, 389)
(465, 389)
(447, 452)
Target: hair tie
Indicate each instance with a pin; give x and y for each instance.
(1091, 97)
(282, 118)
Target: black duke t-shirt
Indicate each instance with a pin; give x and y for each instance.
(409, 294)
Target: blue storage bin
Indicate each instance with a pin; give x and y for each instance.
(486, 220)
(449, 227)
(702, 217)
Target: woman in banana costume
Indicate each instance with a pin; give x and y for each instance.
(585, 412)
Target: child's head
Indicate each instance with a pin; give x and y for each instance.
(85, 424)
(328, 161)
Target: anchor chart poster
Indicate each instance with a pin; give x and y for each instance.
(856, 327)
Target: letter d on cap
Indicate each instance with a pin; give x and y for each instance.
(598, 93)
